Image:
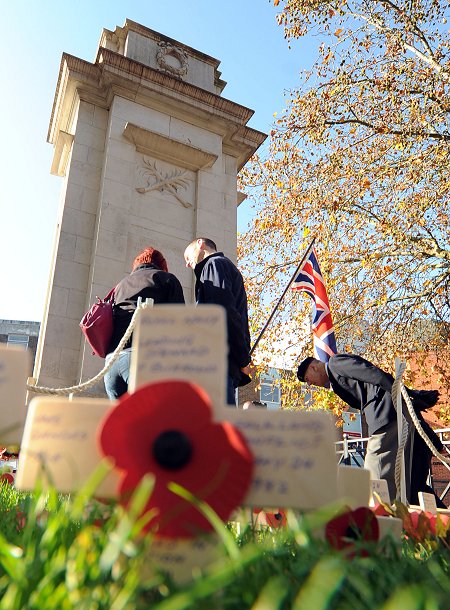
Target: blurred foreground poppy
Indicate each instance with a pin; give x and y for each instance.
(273, 519)
(165, 429)
(7, 477)
(351, 527)
(277, 519)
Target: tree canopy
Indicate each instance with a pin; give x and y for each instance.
(359, 159)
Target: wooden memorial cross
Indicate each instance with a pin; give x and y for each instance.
(294, 455)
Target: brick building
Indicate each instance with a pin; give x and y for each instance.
(21, 332)
(432, 371)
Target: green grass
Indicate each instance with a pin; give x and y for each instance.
(72, 552)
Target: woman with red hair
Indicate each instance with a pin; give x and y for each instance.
(149, 279)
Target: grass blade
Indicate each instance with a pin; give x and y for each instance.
(272, 594)
(323, 582)
(210, 514)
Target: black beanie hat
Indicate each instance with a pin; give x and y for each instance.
(303, 366)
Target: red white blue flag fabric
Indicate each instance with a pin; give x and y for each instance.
(310, 280)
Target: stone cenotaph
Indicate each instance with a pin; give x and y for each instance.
(149, 153)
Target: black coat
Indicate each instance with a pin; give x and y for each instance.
(148, 282)
(219, 282)
(364, 386)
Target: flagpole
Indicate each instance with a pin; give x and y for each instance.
(282, 296)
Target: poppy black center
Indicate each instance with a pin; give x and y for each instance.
(172, 449)
(352, 533)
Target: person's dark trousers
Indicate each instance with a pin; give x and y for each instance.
(380, 457)
(116, 379)
(231, 391)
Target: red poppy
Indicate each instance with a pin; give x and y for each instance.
(7, 477)
(380, 510)
(19, 517)
(21, 520)
(419, 525)
(344, 530)
(165, 428)
(444, 519)
(277, 519)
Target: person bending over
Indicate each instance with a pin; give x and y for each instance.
(366, 387)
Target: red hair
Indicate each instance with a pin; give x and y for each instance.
(150, 255)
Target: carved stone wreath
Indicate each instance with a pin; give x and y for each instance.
(166, 49)
(170, 182)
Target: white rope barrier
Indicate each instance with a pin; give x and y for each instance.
(403, 432)
(91, 382)
(420, 430)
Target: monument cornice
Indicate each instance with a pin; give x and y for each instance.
(131, 69)
(161, 91)
(114, 74)
(237, 137)
(75, 75)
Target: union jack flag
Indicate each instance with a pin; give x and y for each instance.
(310, 280)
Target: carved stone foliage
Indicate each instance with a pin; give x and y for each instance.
(170, 182)
(168, 56)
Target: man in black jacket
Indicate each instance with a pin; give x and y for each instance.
(365, 387)
(219, 282)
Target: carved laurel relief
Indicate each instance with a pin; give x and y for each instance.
(166, 55)
(169, 182)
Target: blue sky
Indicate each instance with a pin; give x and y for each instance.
(255, 62)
